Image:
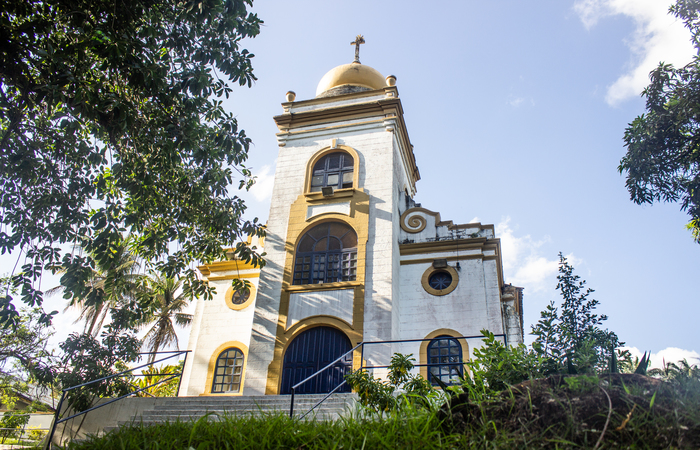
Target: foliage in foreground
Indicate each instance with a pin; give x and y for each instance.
(111, 122)
(663, 156)
(399, 390)
(414, 429)
(614, 410)
(562, 411)
(158, 381)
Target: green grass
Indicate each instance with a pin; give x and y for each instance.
(415, 430)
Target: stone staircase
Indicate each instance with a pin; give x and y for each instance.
(193, 408)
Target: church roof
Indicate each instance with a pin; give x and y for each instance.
(348, 78)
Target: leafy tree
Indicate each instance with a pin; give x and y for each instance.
(166, 302)
(111, 123)
(11, 424)
(496, 366)
(158, 374)
(663, 146)
(111, 284)
(87, 359)
(24, 357)
(573, 339)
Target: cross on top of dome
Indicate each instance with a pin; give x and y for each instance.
(357, 42)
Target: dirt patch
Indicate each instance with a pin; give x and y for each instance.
(625, 409)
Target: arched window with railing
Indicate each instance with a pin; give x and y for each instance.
(327, 253)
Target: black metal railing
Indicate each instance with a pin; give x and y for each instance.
(361, 346)
(57, 419)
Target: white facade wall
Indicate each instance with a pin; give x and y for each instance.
(215, 324)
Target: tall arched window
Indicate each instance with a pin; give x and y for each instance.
(445, 360)
(334, 170)
(228, 372)
(326, 253)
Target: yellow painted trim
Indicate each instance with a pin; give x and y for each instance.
(449, 258)
(274, 371)
(320, 154)
(221, 266)
(314, 197)
(235, 277)
(431, 270)
(212, 365)
(423, 353)
(251, 298)
(457, 245)
(358, 219)
(448, 246)
(322, 287)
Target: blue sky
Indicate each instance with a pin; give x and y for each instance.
(516, 111)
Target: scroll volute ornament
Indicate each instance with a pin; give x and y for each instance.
(412, 221)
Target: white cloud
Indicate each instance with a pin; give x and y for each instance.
(668, 355)
(658, 36)
(523, 263)
(515, 102)
(265, 179)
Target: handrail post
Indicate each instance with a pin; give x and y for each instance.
(55, 419)
(179, 383)
(291, 405)
(362, 355)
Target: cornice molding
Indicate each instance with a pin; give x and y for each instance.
(388, 108)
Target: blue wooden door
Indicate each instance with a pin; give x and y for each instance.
(311, 351)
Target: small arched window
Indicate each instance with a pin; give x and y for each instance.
(445, 360)
(228, 373)
(326, 253)
(333, 170)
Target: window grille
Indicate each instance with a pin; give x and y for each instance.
(445, 360)
(228, 373)
(333, 170)
(327, 253)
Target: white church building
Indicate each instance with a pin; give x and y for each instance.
(350, 258)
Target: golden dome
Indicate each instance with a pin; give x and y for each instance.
(355, 74)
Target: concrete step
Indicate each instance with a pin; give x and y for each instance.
(193, 408)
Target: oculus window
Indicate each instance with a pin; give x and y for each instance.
(228, 372)
(240, 296)
(440, 280)
(333, 170)
(327, 253)
(445, 360)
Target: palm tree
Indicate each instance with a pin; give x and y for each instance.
(166, 302)
(114, 282)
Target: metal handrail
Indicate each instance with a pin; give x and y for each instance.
(314, 375)
(362, 365)
(56, 419)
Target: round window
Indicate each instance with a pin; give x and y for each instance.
(240, 296)
(440, 280)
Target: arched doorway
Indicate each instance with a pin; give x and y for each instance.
(312, 350)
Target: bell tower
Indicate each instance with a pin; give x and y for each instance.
(345, 159)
